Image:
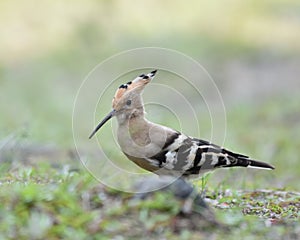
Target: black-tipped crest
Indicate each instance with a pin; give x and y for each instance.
(124, 86)
(135, 85)
(153, 72)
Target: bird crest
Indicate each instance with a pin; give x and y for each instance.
(135, 86)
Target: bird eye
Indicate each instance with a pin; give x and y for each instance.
(128, 102)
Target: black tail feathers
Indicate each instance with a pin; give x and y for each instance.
(246, 162)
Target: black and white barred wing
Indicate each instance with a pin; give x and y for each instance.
(188, 156)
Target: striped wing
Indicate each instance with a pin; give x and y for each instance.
(190, 156)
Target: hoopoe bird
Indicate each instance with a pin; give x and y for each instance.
(160, 149)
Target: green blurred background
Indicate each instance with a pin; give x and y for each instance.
(251, 49)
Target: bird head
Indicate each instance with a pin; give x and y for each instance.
(127, 98)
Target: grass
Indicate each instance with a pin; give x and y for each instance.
(42, 202)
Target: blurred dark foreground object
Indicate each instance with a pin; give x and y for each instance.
(195, 213)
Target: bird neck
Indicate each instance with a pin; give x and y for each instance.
(133, 115)
(133, 130)
(139, 137)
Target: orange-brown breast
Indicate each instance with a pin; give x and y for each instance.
(143, 163)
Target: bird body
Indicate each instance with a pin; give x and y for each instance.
(160, 149)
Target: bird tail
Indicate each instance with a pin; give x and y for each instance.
(250, 163)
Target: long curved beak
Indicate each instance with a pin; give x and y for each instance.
(109, 116)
